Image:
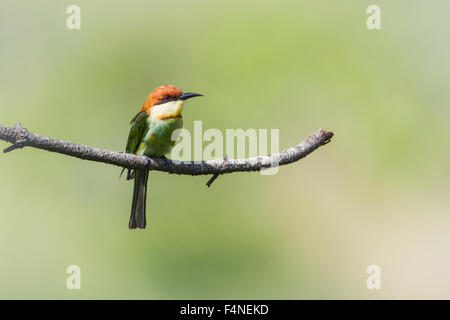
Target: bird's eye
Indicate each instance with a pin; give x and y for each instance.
(166, 97)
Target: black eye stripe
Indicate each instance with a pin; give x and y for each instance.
(165, 99)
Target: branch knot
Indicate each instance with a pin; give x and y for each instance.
(21, 139)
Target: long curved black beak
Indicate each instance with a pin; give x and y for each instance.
(188, 95)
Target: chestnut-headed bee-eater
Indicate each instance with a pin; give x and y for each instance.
(151, 135)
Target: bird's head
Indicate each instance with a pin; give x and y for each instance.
(166, 102)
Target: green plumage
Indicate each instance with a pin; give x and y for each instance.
(139, 129)
(150, 137)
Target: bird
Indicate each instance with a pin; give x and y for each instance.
(151, 135)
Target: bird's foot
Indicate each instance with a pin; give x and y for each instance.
(130, 174)
(163, 158)
(166, 162)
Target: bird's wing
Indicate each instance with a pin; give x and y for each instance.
(139, 128)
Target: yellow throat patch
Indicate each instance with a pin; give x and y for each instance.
(166, 110)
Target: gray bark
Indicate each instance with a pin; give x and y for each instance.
(20, 138)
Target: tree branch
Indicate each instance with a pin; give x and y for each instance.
(20, 138)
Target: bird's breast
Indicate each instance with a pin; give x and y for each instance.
(161, 136)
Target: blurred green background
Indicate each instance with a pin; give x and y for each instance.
(378, 194)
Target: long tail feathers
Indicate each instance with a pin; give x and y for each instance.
(137, 218)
